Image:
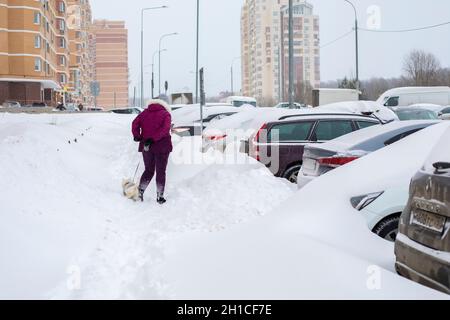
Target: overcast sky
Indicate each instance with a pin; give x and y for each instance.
(381, 54)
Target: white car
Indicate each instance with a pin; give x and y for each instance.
(382, 210)
(222, 133)
(11, 104)
(187, 121)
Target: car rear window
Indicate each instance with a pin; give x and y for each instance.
(298, 131)
(329, 130)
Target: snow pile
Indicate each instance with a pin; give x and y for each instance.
(360, 107)
(67, 231)
(314, 245)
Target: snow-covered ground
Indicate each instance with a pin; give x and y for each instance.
(229, 229)
(63, 216)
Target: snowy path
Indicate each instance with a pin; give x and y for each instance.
(69, 219)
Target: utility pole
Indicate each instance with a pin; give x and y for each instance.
(232, 88)
(291, 54)
(356, 43)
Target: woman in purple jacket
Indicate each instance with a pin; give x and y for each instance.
(152, 130)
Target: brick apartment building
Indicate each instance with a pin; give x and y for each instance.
(34, 52)
(110, 43)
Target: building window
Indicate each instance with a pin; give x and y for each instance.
(37, 42)
(62, 60)
(62, 7)
(62, 78)
(37, 18)
(62, 43)
(37, 64)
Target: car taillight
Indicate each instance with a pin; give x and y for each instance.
(336, 161)
(260, 132)
(216, 138)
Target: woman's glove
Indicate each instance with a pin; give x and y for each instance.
(148, 144)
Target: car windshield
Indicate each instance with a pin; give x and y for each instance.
(404, 115)
(241, 103)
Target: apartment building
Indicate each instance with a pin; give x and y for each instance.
(110, 43)
(34, 51)
(264, 48)
(81, 63)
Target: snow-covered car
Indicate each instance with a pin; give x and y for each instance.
(233, 129)
(415, 113)
(362, 107)
(11, 104)
(293, 247)
(187, 121)
(287, 105)
(422, 247)
(321, 159)
(134, 110)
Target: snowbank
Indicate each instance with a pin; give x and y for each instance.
(307, 247)
(67, 231)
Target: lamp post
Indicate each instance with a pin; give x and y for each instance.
(196, 54)
(159, 60)
(232, 74)
(142, 49)
(291, 54)
(153, 70)
(356, 43)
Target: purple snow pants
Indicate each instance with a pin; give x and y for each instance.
(158, 162)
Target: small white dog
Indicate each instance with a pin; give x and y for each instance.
(130, 190)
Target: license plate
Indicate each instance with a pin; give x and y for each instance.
(429, 221)
(309, 165)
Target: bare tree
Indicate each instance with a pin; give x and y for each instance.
(421, 68)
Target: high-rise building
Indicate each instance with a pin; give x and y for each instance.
(110, 43)
(81, 54)
(264, 48)
(34, 51)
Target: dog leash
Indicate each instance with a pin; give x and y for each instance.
(135, 173)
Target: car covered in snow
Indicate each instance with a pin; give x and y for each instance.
(187, 121)
(11, 104)
(287, 105)
(320, 159)
(415, 113)
(280, 144)
(423, 244)
(134, 110)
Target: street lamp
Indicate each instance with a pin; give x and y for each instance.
(291, 54)
(153, 69)
(142, 48)
(232, 76)
(356, 43)
(159, 60)
(196, 52)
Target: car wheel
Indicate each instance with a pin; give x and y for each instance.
(388, 228)
(291, 174)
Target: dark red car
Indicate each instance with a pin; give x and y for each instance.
(280, 144)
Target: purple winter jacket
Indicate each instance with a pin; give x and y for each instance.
(154, 123)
